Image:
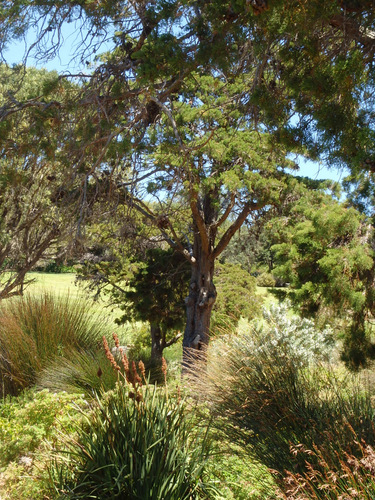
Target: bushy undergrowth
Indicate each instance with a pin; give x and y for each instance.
(271, 393)
(88, 370)
(282, 335)
(30, 426)
(269, 390)
(34, 330)
(266, 279)
(139, 443)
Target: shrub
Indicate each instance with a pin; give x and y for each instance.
(272, 395)
(290, 336)
(58, 268)
(88, 371)
(34, 330)
(236, 297)
(139, 443)
(266, 279)
(85, 371)
(29, 425)
(29, 419)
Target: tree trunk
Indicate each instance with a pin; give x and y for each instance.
(199, 304)
(157, 342)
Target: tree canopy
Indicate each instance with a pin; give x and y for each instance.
(32, 184)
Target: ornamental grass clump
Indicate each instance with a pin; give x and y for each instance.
(139, 442)
(351, 477)
(35, 330)
(271, 389)
(83, 371)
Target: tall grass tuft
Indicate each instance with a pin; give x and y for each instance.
(139, 442)
(34, 330)
(352, 477)
(84, 371)
(274, 392)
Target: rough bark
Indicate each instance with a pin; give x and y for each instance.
(157, 344)
(199, 304)
(202, 291)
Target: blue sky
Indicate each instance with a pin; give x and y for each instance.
(65, 61)
(317, 170)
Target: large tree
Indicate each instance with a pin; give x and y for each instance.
(34, 183)
(183, 100)
(203, 171)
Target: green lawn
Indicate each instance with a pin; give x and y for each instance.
(63, 284)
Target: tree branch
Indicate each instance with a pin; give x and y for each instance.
(133, 202)
(171, 119)
(227, 212)
(227, 236)
(29, 264)
(8, 110)
(172, 341)
(354, 30)
(201, 225)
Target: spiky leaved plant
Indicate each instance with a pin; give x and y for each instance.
(139, 442)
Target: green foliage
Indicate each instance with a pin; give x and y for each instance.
(33, 180)
(30, 425)
(150, 287)
(237, 297)
(35, 330)
(325, 253)
(253, 246)
(88, 371)
(272, 394)
(157, 290)
(84, 370)
(55, 267)
(266, 280)
(138, 444)
(31, 418)
(193, 115)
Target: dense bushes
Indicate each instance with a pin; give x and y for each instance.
(266, 279)
(54, 267)
(34, 330)
(84, 370)
(271, 393)
(236, 297)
